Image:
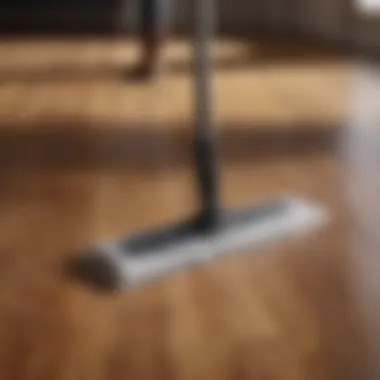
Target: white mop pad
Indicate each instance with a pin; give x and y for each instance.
(295, 217)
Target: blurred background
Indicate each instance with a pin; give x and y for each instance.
(86, 153)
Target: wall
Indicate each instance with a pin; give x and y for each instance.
(368, 29)
(234, 15)
(342, 21)
(325, 18)
(241, 14)
(330, 19)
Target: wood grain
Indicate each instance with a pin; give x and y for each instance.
(303, 309)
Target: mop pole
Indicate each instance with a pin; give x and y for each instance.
(206, 140)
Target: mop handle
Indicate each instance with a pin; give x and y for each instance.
(205, 134)
(204, 35)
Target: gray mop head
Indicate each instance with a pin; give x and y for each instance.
(152, 254)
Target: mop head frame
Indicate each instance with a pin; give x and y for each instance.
(151, 254)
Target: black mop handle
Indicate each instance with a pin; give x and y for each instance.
(205, 135)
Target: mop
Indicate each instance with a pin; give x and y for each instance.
(213, 232)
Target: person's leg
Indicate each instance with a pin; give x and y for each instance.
(153, 30)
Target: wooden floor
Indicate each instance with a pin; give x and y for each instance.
(303, 309)
(82, 80)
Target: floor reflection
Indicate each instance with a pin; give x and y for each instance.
(361, 166)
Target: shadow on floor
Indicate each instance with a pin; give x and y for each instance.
(73, 145)
(282, 51)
